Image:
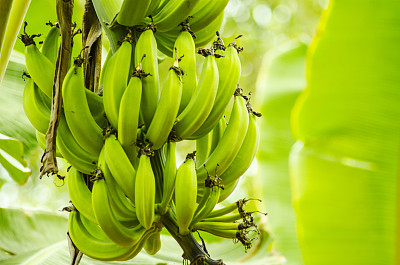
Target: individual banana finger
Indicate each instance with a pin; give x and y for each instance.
(196, 112)
(167, 108)
(185, 194)
(145, 188)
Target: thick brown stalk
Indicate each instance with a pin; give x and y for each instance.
(192, 250)
(64, 15)
(91, 41)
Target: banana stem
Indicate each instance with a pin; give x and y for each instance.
(192, 250)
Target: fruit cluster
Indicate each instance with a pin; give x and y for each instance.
(121, 142)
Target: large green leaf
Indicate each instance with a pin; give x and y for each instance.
(280, 86)
(344, 166)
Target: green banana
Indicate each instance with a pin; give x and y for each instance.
(207, 34)
(120, 204)
(246, 154)
(225, 218)
(169, 175)
(154, 4)
(173, 13)
(203, 148)
(145, 188)
(230, 143)
(206, 144)
(167, 108)
(40, 68)
(238, 205)
(115, 230)
(50, 44)
(185, 194)
(205, 12)
(193, 116)
(212, 183)
(142, 242)
(128, 119)
(204, 226)
(185, 49)
(120, 166)
(146, 46)
(132, 12)
(229, 73)
(115, 80)
(80, 194)
(153, 243)
(166, 40)
(72, 151)
(35, 108)
(89, 238)
(77, 113)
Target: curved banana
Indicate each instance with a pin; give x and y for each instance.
(196, 112)
(203, 148)
(40, 68)
(173, 13)
(91, 240)
(77, 113)
(128, 119)
(72, 151)
(115, 80)
(120, 204)
(41, 139)
(246, 153)
(145, 189)
(132, 12)
(185, 49)
(225, 218)
(185, 194)
(212, 183)
(115, 230)
(229, 72)
(80, 194)
(238, 205)
(153, 243)
(220, 226)
(50, 44)
(154, 4)
(146, 46)
(168, 176)
(167, 108)
(166, 40)
(230, 143)
(120, 166)
(205, 12)
(35, 108)
(96, 107)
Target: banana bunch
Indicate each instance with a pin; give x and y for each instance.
(121, 141)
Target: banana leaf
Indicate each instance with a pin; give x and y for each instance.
(281, 80)
(344, 165)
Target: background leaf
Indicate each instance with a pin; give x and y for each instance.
(280, 87)
(344, 167)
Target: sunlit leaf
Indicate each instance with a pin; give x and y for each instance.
(16, 16)
(344, 167)
(280, 87)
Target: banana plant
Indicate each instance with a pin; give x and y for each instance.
(345, 164)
